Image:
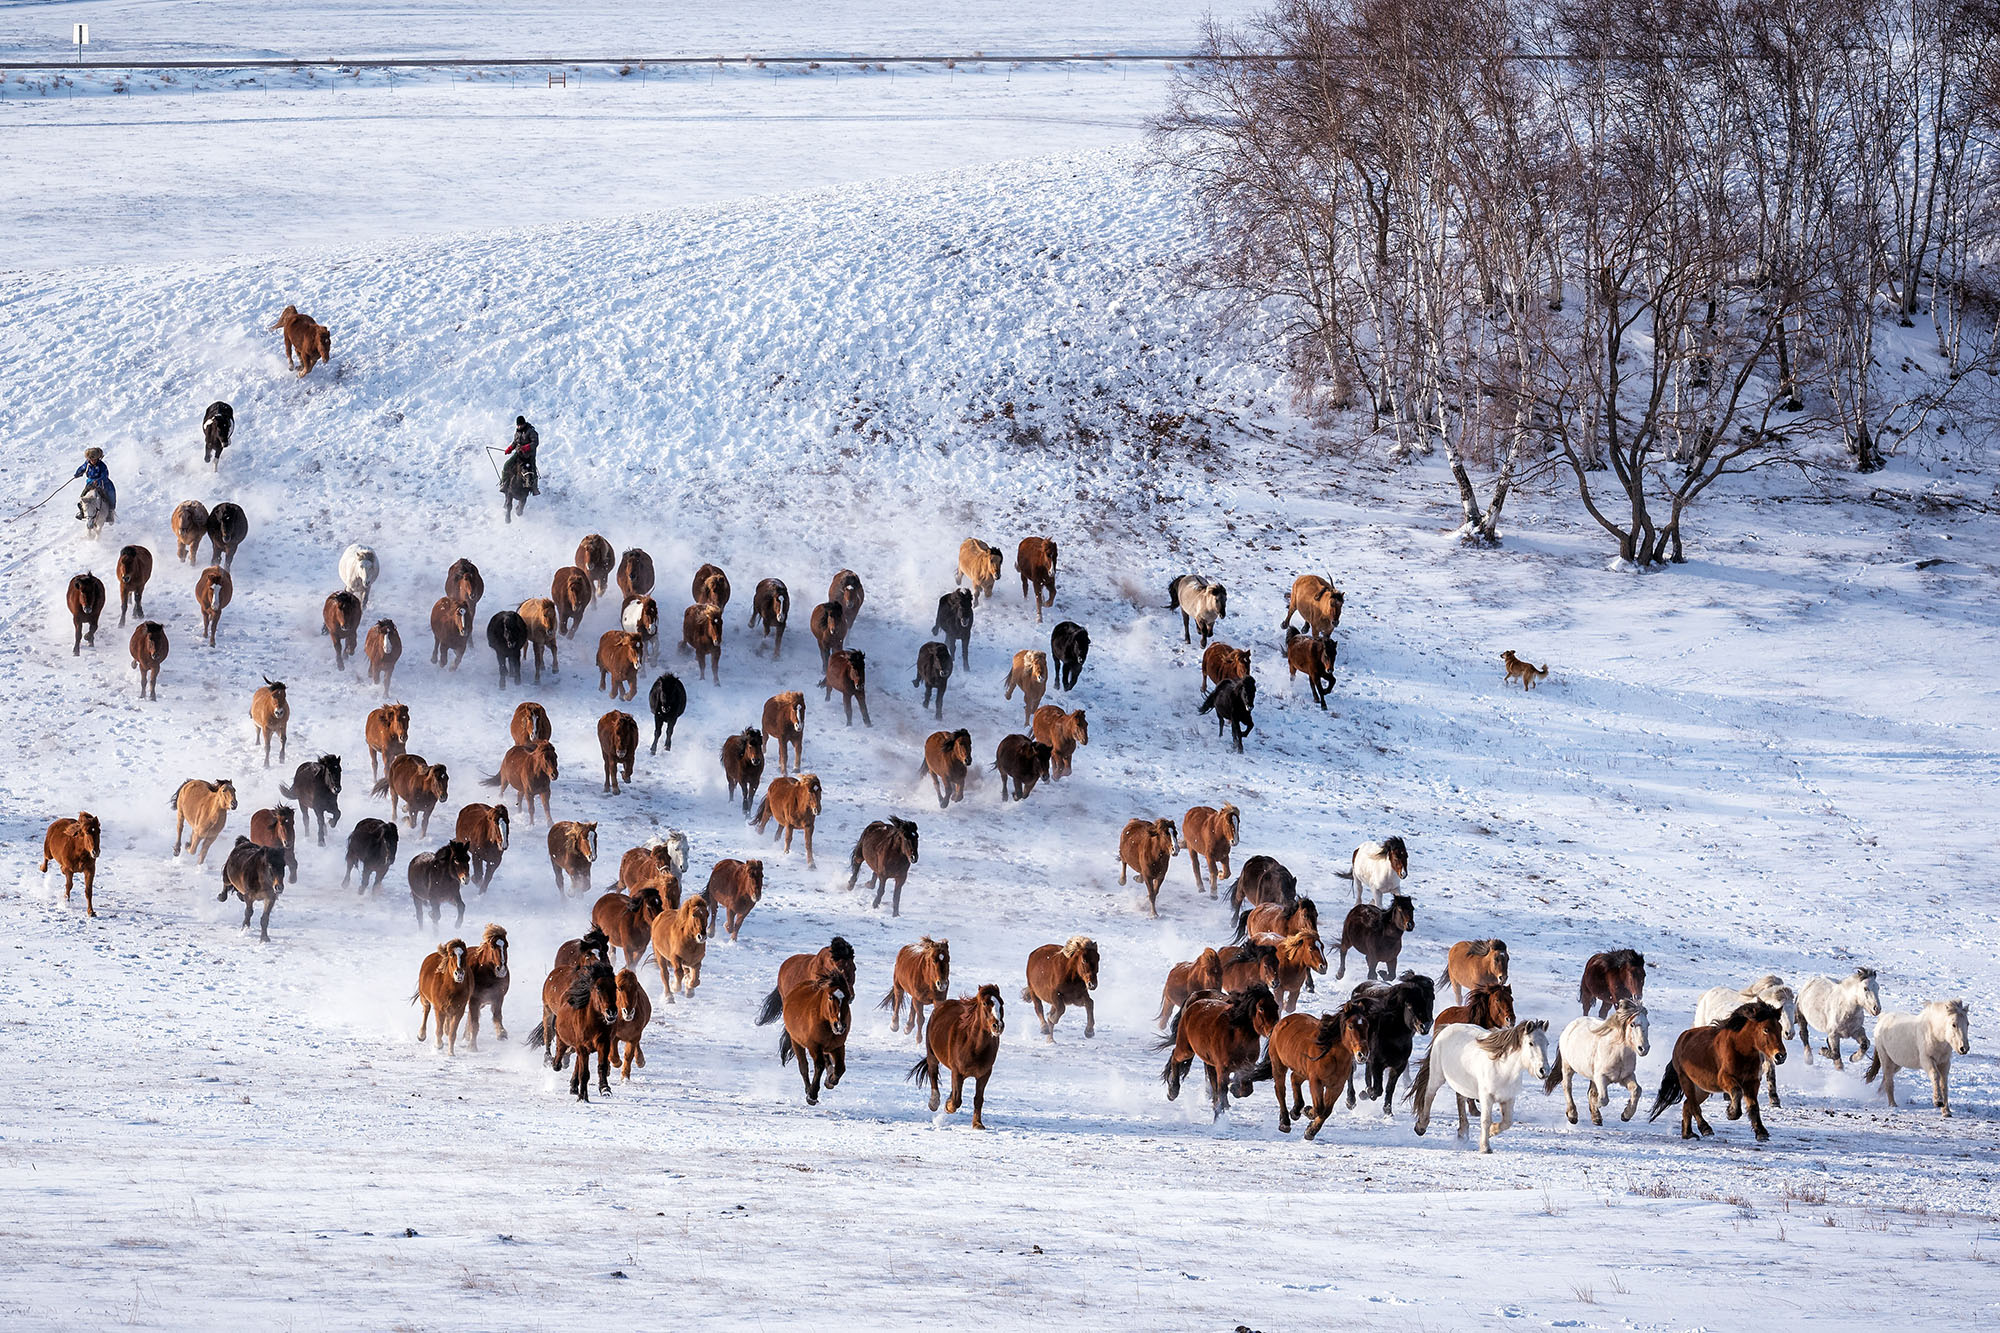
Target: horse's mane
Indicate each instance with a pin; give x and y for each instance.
(1481, 948)
(1754, 1012)
(841, 951)
(928, 947)
(991, 992)
(1075, 945)
(650, 897)
(1624, 958)
(1311, 910)
(493, 934)
(1864, 973)
(1769, 981)
(1508, 1040)
(584, 983)
(1623, 1015)
(595, 941)
(1244, 1005)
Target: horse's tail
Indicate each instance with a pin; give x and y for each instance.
(1242, 927)
(174, 801)
(1236, 893)
(1208, 700)
(1173, 1035)
(774, 1004)
(1422, 1081)
(1670, 1092)
(1557, 1073)
(921, 1070)
(494, 781)
(1874, 1062)
(888, 998)
(1444, 977)
(785, 1049)
(1583, 991)
(763, 814)
(381, 788)
(283, 791)
(854, 860)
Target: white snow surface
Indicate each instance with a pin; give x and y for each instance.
(1778, 757)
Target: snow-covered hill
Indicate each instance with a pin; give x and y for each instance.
(1772, 759)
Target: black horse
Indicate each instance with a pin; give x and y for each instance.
(668, 699)
(507, 636)
(1232, 702)
(519, 477)
(218, 423)
(316, 787)
(1396, 1011)
(933, 673)
(954, 621)
(1069, 645)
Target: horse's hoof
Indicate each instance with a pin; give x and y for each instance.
(1572, 1117)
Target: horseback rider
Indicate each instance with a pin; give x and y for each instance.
(96, 474)
(521, 458)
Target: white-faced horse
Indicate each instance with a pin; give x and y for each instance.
(1604, 1052)
(1484, 1068)
(1925, 1041)
(1719, 1002)
(1835, 1008)
(97, 513)
(358, 570)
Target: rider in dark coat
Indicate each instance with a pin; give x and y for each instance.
(95, 473)
(521, 454)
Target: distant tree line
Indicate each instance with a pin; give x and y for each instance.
(1641, 245)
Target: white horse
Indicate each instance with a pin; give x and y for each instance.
(1482, 1067)
(677, 844)
(358, 568)
(1604, 1053)
(1199, 600)
(1835, 1008)
(97, 512)
(1378, 868)
(1719, 1002)
(641, 616)
(1922, 1041)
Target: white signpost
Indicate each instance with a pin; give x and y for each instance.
(80, 33)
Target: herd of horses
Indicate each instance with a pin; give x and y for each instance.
(1234, 1007)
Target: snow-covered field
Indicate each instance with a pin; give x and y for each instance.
(1776, 758)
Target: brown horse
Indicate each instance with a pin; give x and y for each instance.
(256, 875)
(490, 980)
(1473, 963)
(1728, 1058)
(635, 1011)
(1224, 1032)
(933, 675)
(451, 631)
(437, 878)
(530, 723)
(1035, 561)
(483, 829)
(1314, 658)
(388, 734)
(271, 715)
(651, 866)
(795, 803)
(306, 336)
(1611, 976)
(711, 585)
(574, 959)
(828, 624)
(1209, 834)
(619, 657)
(340, 620)
(618, 742)
(529, 770)
(1220, 662)
(635, 574)
(771, 607)
(86, 605)
(74, 845)
(570, 591)
(228, 525)
(1377, 933)
(1062, 732)
(785, 727)
(190, 525)
(201, 808)
(1184, 979)
(383, 647)
(1278, 919)
(212, 592)
(1489, 1005)
(1264, 879)
(581, 1020)
(847, 672)
(743, 764)
(701, 634)
(964, 1037)
(680, 942)
(836, 959)
(1146, 848)
(888, 847)
(847, 593)
(947, 758)
(735, 887)
(417, 785)
(277, 828)
(979, 565)
(1061, 975)
(315, 785)
(149, 648)
(371, 844)
(444, 986)
(922, 975)
(572, 849)
(539, 615)
(135, 570)
(464, 583)
(1316, 1052)
(596, 558)
(1251, 963)
(1296, 957)
(818, 1014)
(1315, 601)
(1029, 675)
(627, 920)
(1021, 761)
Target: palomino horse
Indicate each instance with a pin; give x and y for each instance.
(1317, 602)
(795, 804)
(680, 942)
(837, 958)
(964, 1037)
(818, 1014)
(572, 850)
(74, 845)
(1225, 1032)
(1604, 1051)
(1726, 1057)
(923, 976)
(86, 606)
(979, 565)
(1484, 1069)
(201, 809)
(444, 986)
(888, 847)
(1923, 1041)
(1060, 975)
(256, 875)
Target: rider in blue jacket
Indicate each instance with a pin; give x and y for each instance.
(95, 473)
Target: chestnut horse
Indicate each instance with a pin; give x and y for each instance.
(711, 585)
(596, 558)
(1473, 963)
(964, 1037)
(388, 734)
(1035, 561)
(735, 887)
(74, 845)
(743, 764)
(1146, 847)
(212, 592)
(680, 942)
(190, 527)
(1062, 732)
(847, 672)
(635, 573)
(570, 591)
(1489, 1005)
(846, 592)
(1184, 979)
(619, 657)
(1209, 834)
(1316, 1052)
(451, 632)
(828, 624)
(771, 607)
(1225, 1032)
(86, 606)
(818, 1014)
(201, 808)
(701, 634)
(444, 985)
(785, 727)
(530, 723)
(277, 828)
(383, 647)
(1295, 957)
(635, 1011)
(528, 770)
(627, 920)
(1060, 975)
(490, 980)
(582, 1021)
(618, 742)
(135, 571)
(340, 620)
(483, 829)
(923, 976)
(947, 758)
(795, 804)
(271, 715)
(1726, 1057)
(149, 648)
(889, 848)
(572, 849)
(539, 615)
(836, 959)
(418, 786)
